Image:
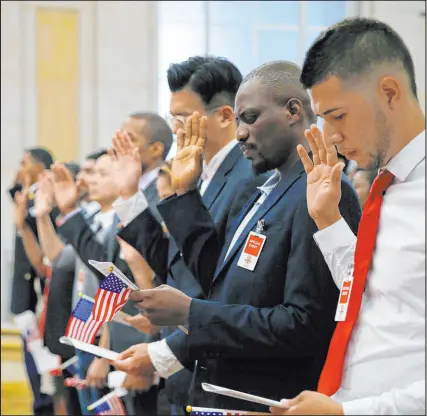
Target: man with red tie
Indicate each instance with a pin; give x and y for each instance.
(361, 78)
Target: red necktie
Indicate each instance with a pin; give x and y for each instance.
(330, 378)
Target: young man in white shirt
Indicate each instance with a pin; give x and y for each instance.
(361, 78)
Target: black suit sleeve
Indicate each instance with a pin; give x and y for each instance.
(297, 327)
(146, 235)
(78, 233)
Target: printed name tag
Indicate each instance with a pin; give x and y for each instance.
(250, 254)
(344, 299)
(81, 281)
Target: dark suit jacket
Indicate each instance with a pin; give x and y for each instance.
(24, 297)
(264, 332)
(145, 234)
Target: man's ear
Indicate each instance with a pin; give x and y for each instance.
(294, 109)
(157, 149)
(225, 115)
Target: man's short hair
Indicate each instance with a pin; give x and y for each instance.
(215, 79)
(41, 155)
(353, 47)
(95, 155)
(282, 78)
(156, 129)
(73, 167)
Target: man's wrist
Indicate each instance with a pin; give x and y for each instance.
(128, 193)
(325, 222)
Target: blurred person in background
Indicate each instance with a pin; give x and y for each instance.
(362, 181)
(24, 295)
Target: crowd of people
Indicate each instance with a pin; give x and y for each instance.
(258, 238)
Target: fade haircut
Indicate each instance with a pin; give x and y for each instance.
(215, 79)
(95, 155)
(282, 78)
(354, 47)
(155, 130)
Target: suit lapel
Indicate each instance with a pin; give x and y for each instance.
(276, 194)
(220, 177)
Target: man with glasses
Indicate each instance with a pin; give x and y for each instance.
(208, 86)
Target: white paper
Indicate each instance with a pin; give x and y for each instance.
(242, 396)
(93, 349)
(117, 392)
(27, 324)
(116, 379)
(105, 268)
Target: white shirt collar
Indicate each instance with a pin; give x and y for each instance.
(270, 183)
(408, 158)
(147, 178)
(209, 169)
(105, 219)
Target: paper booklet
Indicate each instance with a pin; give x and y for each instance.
(106, 267)
(116, 379)
(242, 396)
(93, 349)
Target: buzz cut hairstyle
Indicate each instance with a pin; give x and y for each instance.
(353, 48)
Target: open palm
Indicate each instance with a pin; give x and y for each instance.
(186, 165)
(323, 177)
(126, 163)
(43, 201)
(64, 188)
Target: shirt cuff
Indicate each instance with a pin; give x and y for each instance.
(336, 235)
(61, 220)
(130, 208)
(163, 359)
(358, 407)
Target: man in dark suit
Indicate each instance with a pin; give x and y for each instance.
(24, 295)
(207, 85)
(153, 139)
(267, 324)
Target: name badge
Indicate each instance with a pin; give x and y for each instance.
(81, 281)
(252, 250)
(344, 298)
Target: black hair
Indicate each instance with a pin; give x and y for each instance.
(41, 155)
(353, 47)
(283, 80)
(73, 167)
(215, 79)
(97, 154)
(156, 129)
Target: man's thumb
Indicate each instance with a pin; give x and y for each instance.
(336, 173)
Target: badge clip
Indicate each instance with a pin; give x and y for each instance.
(260, 226)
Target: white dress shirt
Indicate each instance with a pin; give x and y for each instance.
(147, 178)
(209, 169)
(384, 369)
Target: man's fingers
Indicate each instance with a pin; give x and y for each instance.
(318, 139)
(180, 137)
(305, 159)
(331, 151)
(202, 133)
(195, 121)
(336, 173)
(117, 143)
(312, 143)
(188, 131)
(140, 295)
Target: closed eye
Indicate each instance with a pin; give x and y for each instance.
(340, 117)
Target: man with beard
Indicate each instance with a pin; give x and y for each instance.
(267, 324)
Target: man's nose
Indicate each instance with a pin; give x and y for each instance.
(242, 134)
(330, 135)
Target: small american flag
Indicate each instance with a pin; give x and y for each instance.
(81, 325)
(113, 406)
(110, 298)
(75, 382)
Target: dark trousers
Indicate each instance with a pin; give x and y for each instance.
(145, 404)
(42, 403)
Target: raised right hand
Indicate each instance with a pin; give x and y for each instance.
(64, 188)
(97, 373)
(43, 201)
(142, 324)
(323, 178)
(186, 165)
(126, 163)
